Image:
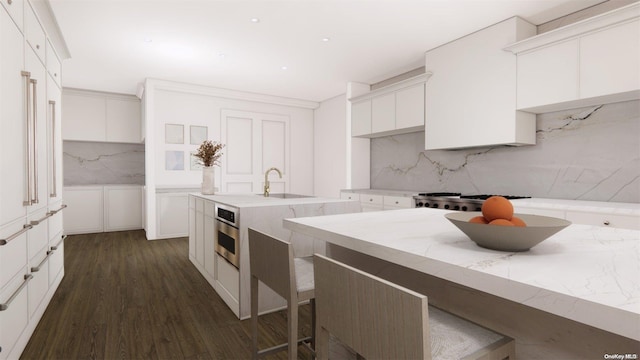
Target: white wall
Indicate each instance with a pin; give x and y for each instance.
(330, 151)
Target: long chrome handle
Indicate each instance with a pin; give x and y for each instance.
(34, 84)
(5, 306)
(37, 268)
(25, 228)
(53, 149)
(37, 222)
(56, 246)
(27, 143)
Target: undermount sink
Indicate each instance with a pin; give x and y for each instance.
(288, 196)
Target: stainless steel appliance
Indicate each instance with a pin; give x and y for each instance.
(455, 201)
(227, 234)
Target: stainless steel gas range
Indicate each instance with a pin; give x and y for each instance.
(455, 201)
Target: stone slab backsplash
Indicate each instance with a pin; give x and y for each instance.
(92, 163)
(589, 153)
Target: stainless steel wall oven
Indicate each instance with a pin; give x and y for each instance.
(227, 239)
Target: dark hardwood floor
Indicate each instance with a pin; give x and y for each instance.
(124, 297)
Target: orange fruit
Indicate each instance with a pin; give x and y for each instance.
(478, 220)
(502, 222)
(497, 207)
(518, 222)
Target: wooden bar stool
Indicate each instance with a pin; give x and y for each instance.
(381, 320)
(272, 262)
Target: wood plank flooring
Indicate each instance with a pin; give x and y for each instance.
(124, 297)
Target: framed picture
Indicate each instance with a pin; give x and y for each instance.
(198, 134)
(174, 160)
(173, 134)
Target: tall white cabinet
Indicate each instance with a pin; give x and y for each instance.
(31, 234)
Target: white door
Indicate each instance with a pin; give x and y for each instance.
(255, 142)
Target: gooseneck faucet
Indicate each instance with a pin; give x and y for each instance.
(266, 180)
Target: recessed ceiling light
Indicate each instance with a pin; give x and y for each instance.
(222, 55)
(284, 68)
(255, 20)
(148, 40)
(326, 39)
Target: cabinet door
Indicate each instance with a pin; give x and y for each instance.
(610, 61)
(209, 246)
(548, 75)
(123, 120)
(85, 210)
(200, 231)
(123, 208)
(361, 118)
(397, 202)
(34, 32)
(40, 182)
(15, 8)
(13, 122)
(13, 254)
(383, 113)
(192, 231)
(54, 140)
(39, 284)
(410, 107)
(56, 260)
(84, 117)
(172, 210)
(599, 219)
(349, 196)
(15, 319)
(54, 67)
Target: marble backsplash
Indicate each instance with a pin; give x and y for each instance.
(92, 163)
(589, 153)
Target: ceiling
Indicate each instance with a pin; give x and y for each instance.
(116, 44)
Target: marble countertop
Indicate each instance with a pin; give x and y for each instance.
(403, 193)
(581, 205)
(585, 273)
(250, 200)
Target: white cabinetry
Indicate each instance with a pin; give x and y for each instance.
(589, 62)
(381, 200)
(202, 237)
(371, 202)
(101, 208)
(28, 211)
(172, 215)
(471, 95)
(394, 109)
(96, 116)
(122, 207)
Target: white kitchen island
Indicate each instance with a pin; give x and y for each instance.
(263, 214)
(575, 295)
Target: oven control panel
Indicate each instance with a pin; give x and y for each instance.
(227, 214)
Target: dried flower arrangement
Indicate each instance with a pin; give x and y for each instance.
(209, 153)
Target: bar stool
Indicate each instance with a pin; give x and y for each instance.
(381, 320)
(272, 262)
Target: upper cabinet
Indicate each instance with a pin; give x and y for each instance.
(471, 95)
(106, 117)
(391, 110)
(589, 62)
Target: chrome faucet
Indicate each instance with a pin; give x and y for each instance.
(266, 180)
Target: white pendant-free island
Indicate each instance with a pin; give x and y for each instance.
(576, 295)
(230, 276)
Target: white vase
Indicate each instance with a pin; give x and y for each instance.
(208, 180)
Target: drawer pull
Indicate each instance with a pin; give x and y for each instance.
(37, 222)
(397, 203)
(37, 268)
(55, 247)
(5, 306)
(370, 199)
(607, 223)
(53, 212)
(25, 227)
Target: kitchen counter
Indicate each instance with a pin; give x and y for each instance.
(383, 192)
(588, 274)
(250, 200)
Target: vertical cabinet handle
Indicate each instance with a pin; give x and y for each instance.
(54, 174)
(27, 76)
(34, 84)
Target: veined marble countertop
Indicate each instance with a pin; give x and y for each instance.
(584, 273)
(250, 200)
(403, 193)
(581, 205)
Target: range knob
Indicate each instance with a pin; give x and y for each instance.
(435, 206)
(446, 206)
(419, 204)
(457, 207)
(464, 208)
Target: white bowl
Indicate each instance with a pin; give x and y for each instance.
(508, 238)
